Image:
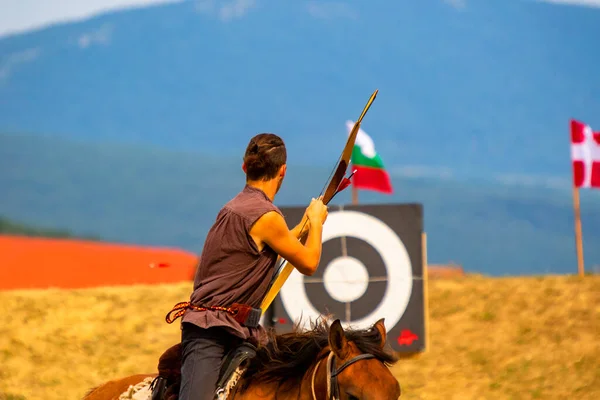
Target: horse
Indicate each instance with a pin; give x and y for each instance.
(321, 363)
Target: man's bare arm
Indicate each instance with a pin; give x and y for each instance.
(302, 228)
(273, 231)
(299, 231)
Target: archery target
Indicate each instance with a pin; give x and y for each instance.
(340, 272)
(370, 269)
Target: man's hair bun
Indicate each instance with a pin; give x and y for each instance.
(265, 154)
(253, 147)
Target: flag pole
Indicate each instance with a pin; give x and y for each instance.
(354, 190)
(354, 195)
(578, 233)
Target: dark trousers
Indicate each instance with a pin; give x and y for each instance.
(203, 351)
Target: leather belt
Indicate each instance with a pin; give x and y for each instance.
(244, 314)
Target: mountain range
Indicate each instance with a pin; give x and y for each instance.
(130, 125)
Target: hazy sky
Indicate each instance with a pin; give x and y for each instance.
(23, 15)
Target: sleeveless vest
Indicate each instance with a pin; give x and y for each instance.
(231, 269)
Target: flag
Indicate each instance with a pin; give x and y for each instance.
(370, 172)
(585, 155)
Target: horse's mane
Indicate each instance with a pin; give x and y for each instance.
(287, 357)
(89, 392)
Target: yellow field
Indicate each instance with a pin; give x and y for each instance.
(491, 338)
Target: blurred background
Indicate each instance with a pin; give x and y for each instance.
(125, 122)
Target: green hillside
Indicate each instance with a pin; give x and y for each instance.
(157, 197)
(9, 227)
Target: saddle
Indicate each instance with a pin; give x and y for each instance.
(166, 385)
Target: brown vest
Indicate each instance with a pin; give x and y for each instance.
(231, 268)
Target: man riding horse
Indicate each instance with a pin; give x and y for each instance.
(236, 275)
(236, 266)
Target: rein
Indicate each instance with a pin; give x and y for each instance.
(332, 374)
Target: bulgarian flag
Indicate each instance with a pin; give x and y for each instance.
(370, 172)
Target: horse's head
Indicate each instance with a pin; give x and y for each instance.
(356, 368)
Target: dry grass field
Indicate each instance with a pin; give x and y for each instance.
(490, 338)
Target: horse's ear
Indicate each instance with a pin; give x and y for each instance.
(380, 326)
(337, 339)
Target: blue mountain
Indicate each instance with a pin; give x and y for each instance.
(481, 90)
(471, 118)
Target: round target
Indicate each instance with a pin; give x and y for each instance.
(344, 285)
(384, 285)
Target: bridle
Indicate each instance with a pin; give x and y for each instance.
(332, 374)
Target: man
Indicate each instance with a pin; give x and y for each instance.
(237, 263)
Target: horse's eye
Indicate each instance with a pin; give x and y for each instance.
(350, 397)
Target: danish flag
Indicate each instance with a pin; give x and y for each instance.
(585, 154)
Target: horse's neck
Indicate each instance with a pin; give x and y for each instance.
(317, 379)
(314, 380)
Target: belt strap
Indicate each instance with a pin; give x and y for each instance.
(242, 313)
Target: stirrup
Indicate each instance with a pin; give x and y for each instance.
(233, 360)
(158, 387)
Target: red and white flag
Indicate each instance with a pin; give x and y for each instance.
(585, 154)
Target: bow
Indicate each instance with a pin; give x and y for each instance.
(337, 183)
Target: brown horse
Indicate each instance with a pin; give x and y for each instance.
(318, 364)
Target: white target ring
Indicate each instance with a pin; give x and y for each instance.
(346, 279)
(395, 257)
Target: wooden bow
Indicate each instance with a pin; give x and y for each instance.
(337, 183)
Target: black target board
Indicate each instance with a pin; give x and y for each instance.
(371, 267)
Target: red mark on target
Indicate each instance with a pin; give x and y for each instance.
(406, 337)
